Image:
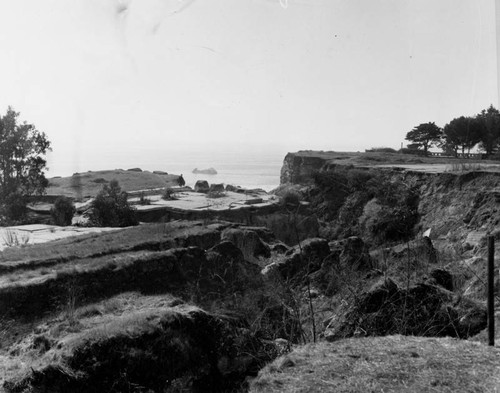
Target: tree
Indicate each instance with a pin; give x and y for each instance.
(489, 123)
(461, 133)
(22, 162)
(110, 208)
(425, 135)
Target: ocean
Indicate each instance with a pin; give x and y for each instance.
(250, 168)
(256, 170)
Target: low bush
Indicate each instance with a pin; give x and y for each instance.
(110, 208)
(62, 212)
(291, 199)
(143, 200)
(169, 194)
(381, 150)
(216, 194)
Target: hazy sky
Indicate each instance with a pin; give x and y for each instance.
(134, 75)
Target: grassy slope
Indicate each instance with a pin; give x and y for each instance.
(85, 185)
(378, 158)
(85, 246)
(89, 296)
(74, 325)
(385, 364)
(51, 265)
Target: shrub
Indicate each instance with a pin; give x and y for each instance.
(381, 150)
(291, 198)
(14, 208)
(169, 194)
(111, 208)
(63, 211)
(143, 200)
(216, 194)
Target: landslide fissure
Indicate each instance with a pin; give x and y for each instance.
(206, 308)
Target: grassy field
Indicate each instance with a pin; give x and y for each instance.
(385, 364)
(88, 184)
(147, 236)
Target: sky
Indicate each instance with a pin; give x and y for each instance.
(145, 76)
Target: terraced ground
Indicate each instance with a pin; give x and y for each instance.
(117, 311)
(165, 308)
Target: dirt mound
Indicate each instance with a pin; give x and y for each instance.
(249, 242)
(163, 349)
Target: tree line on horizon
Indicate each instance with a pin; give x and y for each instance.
(459, 135)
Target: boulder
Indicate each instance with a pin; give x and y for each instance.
(228, 250)
(315, 248)
(303, 259)
(230, 187)
(249, 242)
(441, 277)
(134, 170)
(201, 186)
(227, 271)
(216, 188)
(353, 253)
(264, 233)
(379, 294)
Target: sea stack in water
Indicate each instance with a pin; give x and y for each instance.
(209, 171)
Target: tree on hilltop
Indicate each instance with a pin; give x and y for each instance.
(489, 123)
(22, 163)
(461, 133)
(425, 135)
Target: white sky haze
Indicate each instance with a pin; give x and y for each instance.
(134, 75)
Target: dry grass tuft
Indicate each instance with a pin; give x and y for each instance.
(385, 364)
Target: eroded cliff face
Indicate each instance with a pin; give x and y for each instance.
(460, 207)
(299, 168)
